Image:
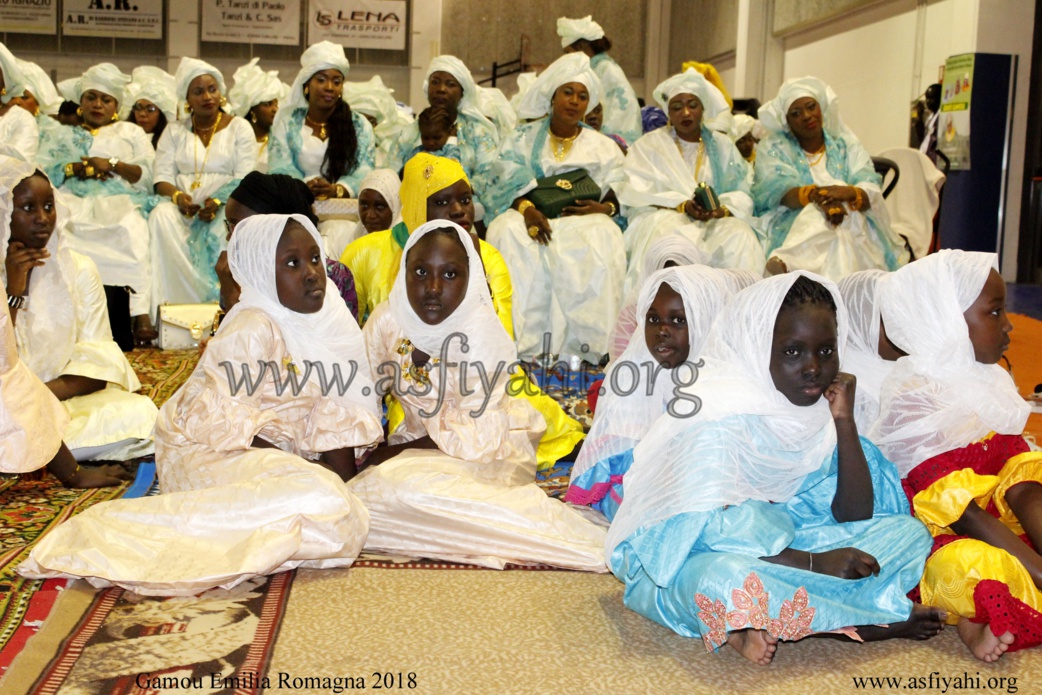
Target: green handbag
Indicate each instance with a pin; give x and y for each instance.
(706, 197)
(552, 194)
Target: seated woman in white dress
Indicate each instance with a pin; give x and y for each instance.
(665, 167)
(32, 421)
(816, 189)
(567, 271)
(199, 162)
(677, 307)
(252, 475)
(62, 327)
(318, 139)
(457, 479)
(151, 101)
(255, 96)
(19, 133)
(104, 168)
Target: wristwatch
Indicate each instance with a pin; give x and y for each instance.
(16, 301)
(113, 161)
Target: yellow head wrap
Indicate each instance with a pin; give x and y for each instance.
(712, 77)
(424, 175)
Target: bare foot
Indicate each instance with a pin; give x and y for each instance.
(775, 266)
(923, 623)
(983, 643)
(755, 645)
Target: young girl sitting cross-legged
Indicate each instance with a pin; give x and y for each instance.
(764, 516)
(254, 449)
(951, 419)
(457, 481)
(678, 306)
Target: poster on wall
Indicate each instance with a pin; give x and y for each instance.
(29, 16)
(358, 23)
(122, 19)
(953, 131)
(252, 21)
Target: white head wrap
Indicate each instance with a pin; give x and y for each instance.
(498, 109)
(253, 86)
(329, 336)
(472, 103)
(772, 115)
(772, 443)
(67, 89)
(571, 67)
(39, 84)
(940, 398)
(474, 318)
(105, 78)
(324, 55)
(860, 292)
(571, 30)
(630, 405)
(374, 99)
(716, 114)
(386, 183)
(191, 68)
(524, 82)
(14, 78)
(151, 84)
(745, 124)
(43, 331)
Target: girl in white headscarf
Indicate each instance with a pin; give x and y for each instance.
(19, 132)
(318, 139)
(568, 271)
(376, 102)
(255, 97)
(621, 108)
(664, 168)
(763, 516)
(251, 464)
(951, 419)
(677, 306)
(457, 481)
(817, 189)
(104, 168)
(870, 355)
(200, 160)
(667, 251)
(449, 85)
(62, 328)
(150, 100)
(745, 133)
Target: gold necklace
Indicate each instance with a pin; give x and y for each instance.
(313, 124)
(820, 154)
(264, 142)
(562, 146)
(197, 172)
(92, 131)
(698, 157)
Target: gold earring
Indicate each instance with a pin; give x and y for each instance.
(115, 117)
(188, 110)
(253, 117)
(79, 111)
(306, 91)
(224, 100)
(3, 91)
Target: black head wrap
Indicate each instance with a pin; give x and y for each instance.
(275, 194)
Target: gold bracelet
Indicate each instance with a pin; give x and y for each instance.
(858, 200)
(727, 212)
(524, 205)
(612, 206)
(70, 170)
(88, 171)
(804, 195)
(173, 198)
(682, 208)
(341, 192)
(218, 201)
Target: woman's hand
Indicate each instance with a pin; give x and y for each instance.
(185, 205)
(108, 475)
(20, 261)
(586, 207)
(321, 188)
(534, 218)
(840, 395)
(209, 210)
(102, 168)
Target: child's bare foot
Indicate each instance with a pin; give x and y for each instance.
(755, 645)
(775, 266)
(924, 622)
(983, 643)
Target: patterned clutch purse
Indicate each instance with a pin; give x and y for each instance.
(552, 194)
(706, 197)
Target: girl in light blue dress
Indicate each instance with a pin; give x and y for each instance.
(764, 516)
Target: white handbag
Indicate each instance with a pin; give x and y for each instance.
(182, 326)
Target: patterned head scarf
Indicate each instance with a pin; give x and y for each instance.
(571, 67)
